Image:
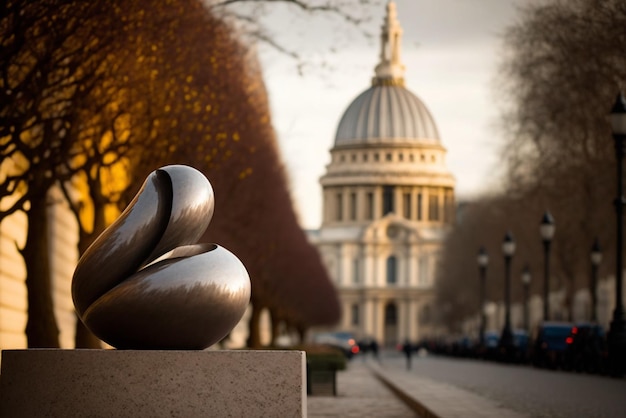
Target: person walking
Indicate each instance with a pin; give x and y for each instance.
(374, 348)
(408, 352)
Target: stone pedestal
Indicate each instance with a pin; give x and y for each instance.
(113, 383)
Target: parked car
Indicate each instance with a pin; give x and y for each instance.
(587, 349)
(462, 347)
(520, 346)
(342, 340)
(550, 342)
(489, 348)
(492, 348)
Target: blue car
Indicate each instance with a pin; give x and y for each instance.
(550, 344)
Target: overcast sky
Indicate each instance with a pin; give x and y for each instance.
(451, 49)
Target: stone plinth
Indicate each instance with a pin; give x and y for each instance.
(112, 383)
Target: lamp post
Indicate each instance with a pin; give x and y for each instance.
(596, 258)
(546, 229)
(508, 249)
(617, 331)
(526, 282)
(482, 259)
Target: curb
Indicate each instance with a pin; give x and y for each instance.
(415, 405)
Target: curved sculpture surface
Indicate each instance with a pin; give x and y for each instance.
(145, 284)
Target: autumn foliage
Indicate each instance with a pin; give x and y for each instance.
(171, 84)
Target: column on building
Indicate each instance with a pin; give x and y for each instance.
(325, 206)
(413, 265)
(397, 200)
(346, 317)
(405, 268)
(380, 261)
(369, 265)
(338, 264)
(419, 204)
(375, 320)
(403, 319)
(346, 256)
(360, 204)
(368, 317)
(378, 202)
(414, 203)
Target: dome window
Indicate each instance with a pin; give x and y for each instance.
(376, 157)
(342, 158)
(388, 192)
(353, 156)
(401, 157)
(365, 157)
(339, 206)
(433, 206)
(389, 157)
(419, 206)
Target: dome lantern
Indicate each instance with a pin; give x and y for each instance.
(390, 70)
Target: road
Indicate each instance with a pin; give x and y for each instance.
(534, 392)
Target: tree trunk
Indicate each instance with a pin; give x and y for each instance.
(254, 336)
(84, 338)
(275, 318)
(41, 328)
(301, 333)
(569, 299)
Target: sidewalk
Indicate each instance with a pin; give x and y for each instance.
(368, 389)
(359, 394)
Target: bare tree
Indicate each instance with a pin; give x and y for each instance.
(563, 65)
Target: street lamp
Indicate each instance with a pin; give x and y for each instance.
(546, 229)
(482, 259)
(596, 258)
(508, 249)
(526, 282)
(617, 332)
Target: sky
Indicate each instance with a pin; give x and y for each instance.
(451, 50)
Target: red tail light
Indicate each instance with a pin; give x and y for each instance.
(355, 349)
(575, 330)
(569, 340)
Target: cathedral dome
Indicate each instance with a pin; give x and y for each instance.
(386, 113)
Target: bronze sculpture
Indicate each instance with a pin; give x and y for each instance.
(145, 283)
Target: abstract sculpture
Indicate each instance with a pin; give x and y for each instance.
(145, 283)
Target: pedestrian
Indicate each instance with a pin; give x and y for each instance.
(408, 352)
(374, 348)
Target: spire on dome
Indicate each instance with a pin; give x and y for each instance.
(390, 70)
